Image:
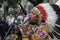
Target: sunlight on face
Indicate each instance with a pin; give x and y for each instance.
(33, 15)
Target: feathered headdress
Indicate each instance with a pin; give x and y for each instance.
(50, 16)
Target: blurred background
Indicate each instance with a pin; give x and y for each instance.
(10, 9)
(6, 4)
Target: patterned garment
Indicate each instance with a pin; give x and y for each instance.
(51, 16)
(12, 37)
(41, 34)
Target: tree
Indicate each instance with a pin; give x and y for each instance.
(35, 2)
(12, 3)
(1, 1)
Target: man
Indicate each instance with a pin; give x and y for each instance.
(10, 19)
(44, 16)
(36, 18)
(37, 22)
(3, 27)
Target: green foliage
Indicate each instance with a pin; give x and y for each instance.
(1, 1)
(47, 0)
(12, 3)
(35, 2)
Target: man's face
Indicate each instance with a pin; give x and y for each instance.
(33, 16)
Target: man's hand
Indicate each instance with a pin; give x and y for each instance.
(23, 27)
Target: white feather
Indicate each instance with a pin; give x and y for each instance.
(58, 3)
(52, 16)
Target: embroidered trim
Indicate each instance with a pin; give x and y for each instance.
(43, 12)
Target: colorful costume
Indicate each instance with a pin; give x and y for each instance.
(43, 20)
(49, 16)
